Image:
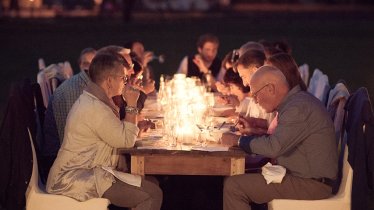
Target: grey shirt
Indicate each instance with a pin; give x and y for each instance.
(304, 140)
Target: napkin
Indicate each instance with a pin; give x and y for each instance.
(273, 173)
(131, 179)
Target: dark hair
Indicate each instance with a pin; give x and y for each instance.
(229, 58)
(272, 48)
(207, 38)
(105, 63)
(234, 78)
(251, 58)
(287, 65)
(85, 51)
(131, 43)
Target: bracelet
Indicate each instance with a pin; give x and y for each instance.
(131, 110)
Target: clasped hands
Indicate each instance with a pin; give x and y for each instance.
(246, 126)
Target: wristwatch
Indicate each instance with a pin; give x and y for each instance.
(131, 110)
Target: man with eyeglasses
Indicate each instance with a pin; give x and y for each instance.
(303, 143)
(63, 99)
(85, 166)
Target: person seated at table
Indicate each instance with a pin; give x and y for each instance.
(205, 64)
(93, 132)
(227, 63)
(134, 81)
(236, 95)
(287, 65)
(303, 143)
(85, 58)
(246, 66)
(144, 57)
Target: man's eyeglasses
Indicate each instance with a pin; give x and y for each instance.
(123, 77)
(254, 95)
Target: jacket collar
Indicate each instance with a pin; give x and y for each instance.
(290, 93)
(99, 93)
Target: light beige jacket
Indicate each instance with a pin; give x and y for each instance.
(92, 133)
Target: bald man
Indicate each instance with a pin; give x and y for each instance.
(303, 143)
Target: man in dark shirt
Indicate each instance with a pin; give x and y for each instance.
(205, 64)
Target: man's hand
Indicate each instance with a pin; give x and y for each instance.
(222, 88)
(230, 139)
(131, 95)
(200, 64)
(252, 126)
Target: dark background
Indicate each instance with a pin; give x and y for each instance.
(340, 43)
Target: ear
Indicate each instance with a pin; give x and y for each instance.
(271, 89)
(109, 81)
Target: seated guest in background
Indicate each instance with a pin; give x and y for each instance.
(287, 65)
(227, 63)
(236, 87)
(246, 66)
(303, 143)
(205, 64)
(93, 132)
(143, 57)
(119, 101)
(250, 45)
(85, 58)
(236, 94)
(59, 106)
(272, 48)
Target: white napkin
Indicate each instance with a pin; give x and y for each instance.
(273, 173)
(131, 179)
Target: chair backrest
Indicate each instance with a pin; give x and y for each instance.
(345, 188)
(319, 85)
(304, 73)
(34, 181)
(335, 106)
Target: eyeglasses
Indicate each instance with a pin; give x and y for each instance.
(254, 95)
(123, 77)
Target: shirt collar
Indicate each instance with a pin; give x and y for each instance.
(290, 93)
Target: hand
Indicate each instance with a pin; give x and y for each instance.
(145, 125)
(149, 87)
(147, 57)
(230, 139)
(252, 126)
(200, 64)
(221, 100)
(131, 95)
(222, 88)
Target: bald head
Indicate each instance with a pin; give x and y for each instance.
(268, 87)
(269, 74)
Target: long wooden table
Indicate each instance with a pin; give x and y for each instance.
(179, 162)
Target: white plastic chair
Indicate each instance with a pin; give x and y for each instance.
(340, 201)
(319, 85)
(38, 199)
(304, 73)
